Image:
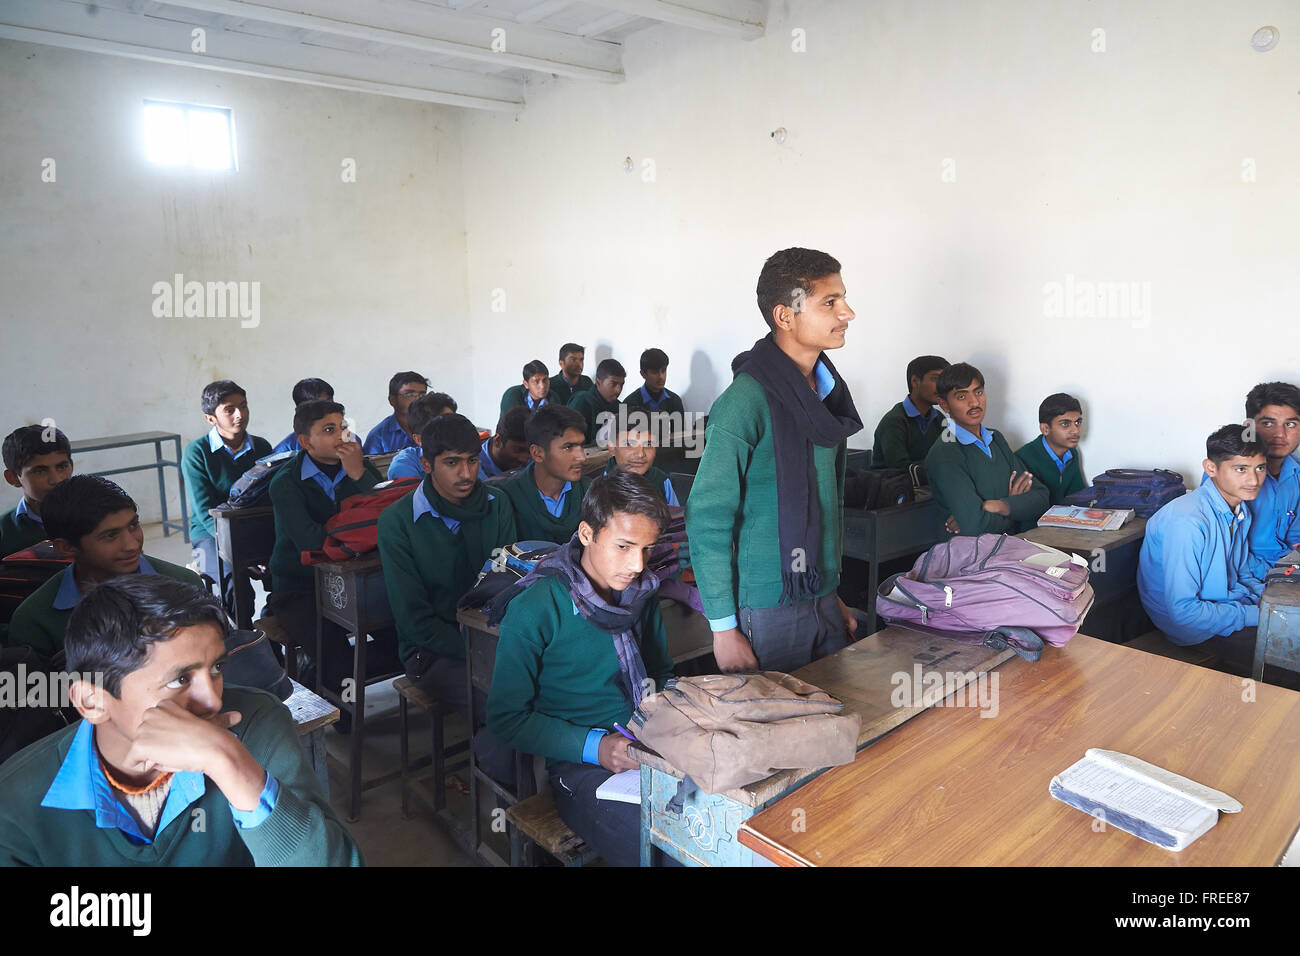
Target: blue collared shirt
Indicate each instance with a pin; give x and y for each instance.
(328, 484)
(1060, 462)
(528, 400)
(487, 468)
(22, 510)
(406, 464)
(553, 506)
(1274, 525)
(654, 403)
(215, 441)
(669, 495)
(290, 443)
(420, 506)
(81, 784)
(387, 436)
(923, 422)
(69, 596)
(984, 442)
(1194, 573)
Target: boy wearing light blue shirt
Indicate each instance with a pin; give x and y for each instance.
(406, 463)
(391, 434)
(1274, 407)
(306, 390)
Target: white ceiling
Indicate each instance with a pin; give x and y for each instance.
(470, 53)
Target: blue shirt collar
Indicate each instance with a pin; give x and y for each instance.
(923, 422)
(22, 510)
(310, 470)
(654, 403)
(420, 506)
(215, 442)
(984, 442)
(1060, 462)
(1215, 498)
(530, 402)
(68, 596)
(80, 784)
(825, 380)
(487, 468)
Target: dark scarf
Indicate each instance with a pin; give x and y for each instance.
(470, 513)
(622, 620)
(800, 420)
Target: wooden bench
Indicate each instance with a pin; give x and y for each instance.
(538, 820)
(408, 693)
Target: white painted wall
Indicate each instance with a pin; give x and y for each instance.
(1118, 166)
(358, 280)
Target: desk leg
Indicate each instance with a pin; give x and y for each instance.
(162, 485)
(358, 721)
(180, 482)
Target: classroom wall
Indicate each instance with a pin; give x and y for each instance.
(357, 280)
(1067, 166)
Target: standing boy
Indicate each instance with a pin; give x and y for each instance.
(599, 405)
(37, 457)
(547, 494)
(906, 432)
(773, 473)
(1053, 457)
(391, 434)
(569, 381)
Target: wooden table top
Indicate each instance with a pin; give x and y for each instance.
(952, 788)
(1074, 539)
(863, 677)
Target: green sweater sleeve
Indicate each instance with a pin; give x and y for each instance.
(713, 511)
(1028, 507)
(955, 489)
(510, 398)
(199, 485)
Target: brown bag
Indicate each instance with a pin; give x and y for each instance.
(728, 730)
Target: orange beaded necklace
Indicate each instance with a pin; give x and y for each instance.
(158, 781)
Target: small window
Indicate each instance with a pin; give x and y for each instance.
(178, 134)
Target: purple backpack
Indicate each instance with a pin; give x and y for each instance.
(993, 589)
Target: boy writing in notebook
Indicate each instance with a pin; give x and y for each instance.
(581, 644)
(982, 487)
(598, 406)
(569, 380)
(532, 394)
(305, 390)
(1194, 574)
(906, 432)
(1274, 408)
(36, 457)
(1053, 457)
(391, 434)
(772, 473)
(547, 493)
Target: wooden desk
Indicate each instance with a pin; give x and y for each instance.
(596, 461)
(863, 677)
(952, 788)
(158, 464)
(245, 537)
(381, 462)
(311, 715)
(887, 533)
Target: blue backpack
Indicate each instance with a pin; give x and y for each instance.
(1146, 492)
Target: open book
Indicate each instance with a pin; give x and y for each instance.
(1141, 798)
(1085, 519)
(624, 787)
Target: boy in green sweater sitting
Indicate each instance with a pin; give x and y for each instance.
(907, 430)
(599, 406)
(569, 380)
(94, 523)
(547, 494)
(212, 464)
(167, 766)
(772, 473)
(37, 457)
(1053, 457)
(581, 644)
(532, 394)
(634, 451)
(305, 493)
(982, 487)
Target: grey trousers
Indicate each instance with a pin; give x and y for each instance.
(788, 636)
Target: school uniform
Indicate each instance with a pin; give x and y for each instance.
(57, 807)
(20, 528)
(1062, 476)
(406, 464)
(517, 395)
(666, 402)
(41, 620)
(487, 466)
(592, 407)
(1194, 574)
(288, 443)
(657, 477)
(562, 390)
(387, 436)
(539, 518)
(966, 471)
(557, 687)
(904, 436)
(1275, 518)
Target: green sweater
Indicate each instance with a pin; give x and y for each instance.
(208, 477)
(562, 391)
(532, 521)
(1059, 483)
(302, 830)
(899, 442)
(40, 625)
(18, 532)
(962, 478)
(301, 509)
(557, 676)
(731, 515)
(589, 405)
(654, 474)
(427, 570)
(517, 395)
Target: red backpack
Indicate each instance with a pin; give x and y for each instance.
(23, 572)
(354, 529)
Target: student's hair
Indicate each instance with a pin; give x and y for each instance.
(424, 410)
(511, 426)
(309, 388)
(75, 507)
(1259, 397)
(1226, 442)
(568, 348)
(923, 365)
(23, 444)
(449, 433)
(214, 392)
(652, 360)
(405, 378)
(1054, 406)
(608, 367)
(536, 367)
(110, 631)
(551, 422)
(625, 492)
(309, 413)
(957, 376)
(788, 271)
